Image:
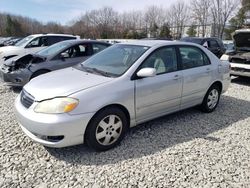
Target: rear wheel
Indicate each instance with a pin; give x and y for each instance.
(211, 99)
(38, 73)
(106, 129)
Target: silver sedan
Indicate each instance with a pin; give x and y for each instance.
(97, 101)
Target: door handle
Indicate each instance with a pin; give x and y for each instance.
(176, 77)
(208, 70)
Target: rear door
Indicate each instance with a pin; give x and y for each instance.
(197, 75)
(159, 95)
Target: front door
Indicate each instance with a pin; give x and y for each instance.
(159, 95)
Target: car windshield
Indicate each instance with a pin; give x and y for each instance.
(23, 42)
(194, 40)
(115, 60)
(53, 49)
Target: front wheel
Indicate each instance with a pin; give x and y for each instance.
(211, 99)
(106, 129)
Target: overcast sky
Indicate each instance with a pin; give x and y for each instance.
(63, 11)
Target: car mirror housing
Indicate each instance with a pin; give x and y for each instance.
(146, 72)
(64, 55)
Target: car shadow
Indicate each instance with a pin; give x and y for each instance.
(241, 80)
(162, 133)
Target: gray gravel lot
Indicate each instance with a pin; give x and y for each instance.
(185, 149)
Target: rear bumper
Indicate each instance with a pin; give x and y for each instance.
(39, 127)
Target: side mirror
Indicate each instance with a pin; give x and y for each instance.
(64, 55)
(146, 72)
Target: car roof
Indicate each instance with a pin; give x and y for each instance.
(77, 41)
(53, 34)
(200, 38)
(151, 43)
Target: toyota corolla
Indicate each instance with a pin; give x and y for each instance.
(97, 101)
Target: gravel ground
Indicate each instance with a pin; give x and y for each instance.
(185, 149)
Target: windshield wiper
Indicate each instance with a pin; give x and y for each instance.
(95, 70)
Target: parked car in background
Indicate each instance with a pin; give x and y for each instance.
(19, 70)
(4, 39)
(126, 84)
(213, 44)
(12, 41)
(240, 57)
(229, 45)
(32, 44)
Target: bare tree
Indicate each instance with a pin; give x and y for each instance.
(179, 16)
(154, 18)
(200, 13)
(221, 11)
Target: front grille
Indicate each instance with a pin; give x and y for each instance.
(26, 99)
(239, 60)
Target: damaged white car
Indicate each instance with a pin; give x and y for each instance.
(32, 44)
(240, 57)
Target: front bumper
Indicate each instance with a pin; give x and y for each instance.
(240, 69)
(39, 127)
(15, 78)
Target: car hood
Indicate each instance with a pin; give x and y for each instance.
(24, 59)
(10, 50)
(63, 83)
(242, 40)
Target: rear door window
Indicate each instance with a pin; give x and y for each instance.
(192, 57)
(56, 39)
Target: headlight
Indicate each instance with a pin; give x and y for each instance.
(224, 57)
(56, 105)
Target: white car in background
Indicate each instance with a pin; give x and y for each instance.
(239, 58)
(32, 44)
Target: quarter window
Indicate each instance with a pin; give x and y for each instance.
(193, 57)
(164, 60)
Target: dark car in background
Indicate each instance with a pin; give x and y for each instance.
(213, 44)
(19, 70)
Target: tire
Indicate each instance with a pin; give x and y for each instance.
(211, 99)
(38, 73)
(102, 134)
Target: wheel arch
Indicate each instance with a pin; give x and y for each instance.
(40, 70)
(121, 107)
(217, 83)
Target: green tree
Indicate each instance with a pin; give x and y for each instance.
(165, 31)
(239, 21)
(191, 32)
(13, 27)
